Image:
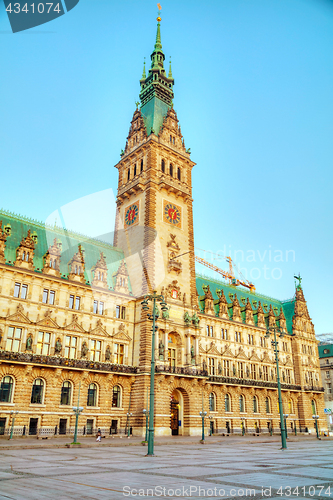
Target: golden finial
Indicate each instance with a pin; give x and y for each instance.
(159, 12)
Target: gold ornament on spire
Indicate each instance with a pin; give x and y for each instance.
(159, 12)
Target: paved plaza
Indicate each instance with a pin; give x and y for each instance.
(222, 468)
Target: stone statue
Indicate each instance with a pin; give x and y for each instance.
(195, 320)
(107, 354)
(28, 345)
(187, 318)
(234, 371)
(84, 350)
(192, 352)
(161, 350)
(220, 369)
(204, 366)
(57, 347)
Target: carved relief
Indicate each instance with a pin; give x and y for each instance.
(173, 290)
(173, 250)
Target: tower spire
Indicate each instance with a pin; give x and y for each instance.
(170, 70)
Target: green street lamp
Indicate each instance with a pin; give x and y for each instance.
(285, 416)
(202, 415)
(281, 333)
(128, 424)
(77, 410)
(154, 298)
(315, 418)
(13, 413)
(145, 412)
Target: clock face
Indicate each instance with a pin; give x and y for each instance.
(132, 214)
(172, 214)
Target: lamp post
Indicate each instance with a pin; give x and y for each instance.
(129, 424)
(315, 418)
(285, 416)
(202, 415)
(154, 298)
(281, 333)
(13, 413)
(77, 410)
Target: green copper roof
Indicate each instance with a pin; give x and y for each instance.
(156, 89)
(70, 241)
(243, 294)
(325, 350)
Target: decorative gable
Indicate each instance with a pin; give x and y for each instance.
(248, 313)
(137, 132)
(52, 259)
(170, 133)
(3, 238)
(25, 253)
(213, 349)
(209, 301)
(271, 317)
(236, 311)
(241, 354)
(223, 305)
(122, 279)
(19, 315)
(261, 316)
(100, 273)
(121, 334)
(74, 325)
(99, 330)
(228, 352)
(47, 321)
(76, 266)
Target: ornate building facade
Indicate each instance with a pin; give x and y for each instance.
(72, 327)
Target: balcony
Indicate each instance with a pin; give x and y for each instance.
(314, 388)
(252, 383)
(55, 361)
(179, 370)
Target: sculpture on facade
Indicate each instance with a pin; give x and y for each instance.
(84, 350)
(161, 350)
(28, 345)
(108, 354)
(57, 347)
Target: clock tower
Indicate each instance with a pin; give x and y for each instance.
(154, 223)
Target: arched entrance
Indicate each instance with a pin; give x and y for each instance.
(177, 413)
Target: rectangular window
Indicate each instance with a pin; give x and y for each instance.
(70, 347)
(226, 367)
(43, 343)
(288, 377)
(95, 306)
(51, 297)
(265, 372)
(117, 311)
(24, 291)
(119, 348)
(253, 372)
(328, 374)
(45, 296)
(329, 388)
(13, 339)
(101, 308)
(262, 341)
(212, 331)
(211, 366)
(71, 301)
(123, 312)
(240, 370)
(48, 296)
(17, 290)
(172, 357)
(95, 350)
(207, 330)
(77, 303)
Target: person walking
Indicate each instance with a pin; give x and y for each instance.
(99, 435)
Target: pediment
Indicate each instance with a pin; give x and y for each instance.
(255, 357)
(288, 362)
(213, 350)
(241, 355)
(99, 330)
(121, 335)
(74, 327)
(266, 358)
(201, 349)
(228, 352)
(19, 317)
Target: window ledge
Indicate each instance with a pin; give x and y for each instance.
(2, 403)
(92, 408)
(37, 405)
(116, 408)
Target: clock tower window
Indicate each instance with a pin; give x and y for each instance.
(134, 170)
(179, 174)
(141, 168)
(163, 166)
(171, 169)
(128, 174)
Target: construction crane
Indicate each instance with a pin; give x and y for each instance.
(230, 275)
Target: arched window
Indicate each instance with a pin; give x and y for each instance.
(179, 174)
(163, 166)
(227, 402)
(116, 397)
(134, 170)
(66, 390)
(37, 392)
(255, 405)
(313, 407)
(241, 403)
(141, 167)
(268, 405)
(92, 395)
(171, 170)
(290, 406)
(212, 405)
(6, 390)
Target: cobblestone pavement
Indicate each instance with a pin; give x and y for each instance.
(219, 469)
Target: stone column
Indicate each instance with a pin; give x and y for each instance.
(188, 349)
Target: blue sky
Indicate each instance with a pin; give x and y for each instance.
(253, 93)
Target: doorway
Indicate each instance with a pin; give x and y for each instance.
(2, 426)
(33, 424)
(63, 426)
(174, 417)
(114, 427)
(90, 426)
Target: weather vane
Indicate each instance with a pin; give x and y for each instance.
(159, 12)
(299, 280)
